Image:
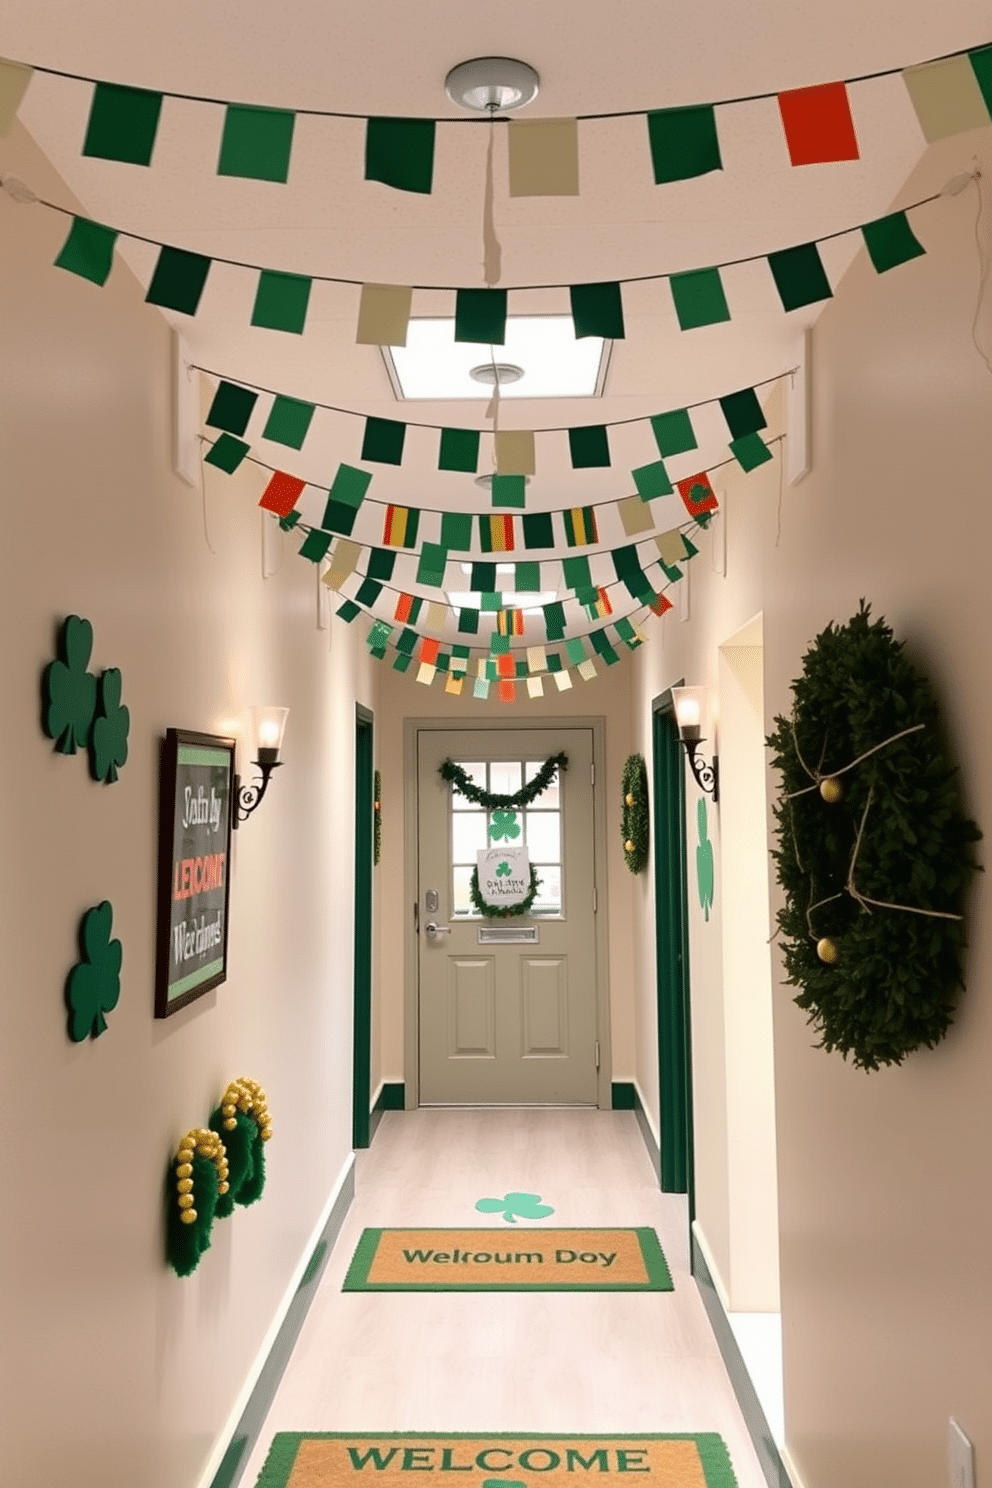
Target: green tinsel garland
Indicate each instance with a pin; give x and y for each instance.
(376, 818)
(523, 797)
(503, 911)
(245, 1161)
(634, 821)
(873, 852)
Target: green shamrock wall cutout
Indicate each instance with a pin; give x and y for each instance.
(704, 860)
(514, 1206)
(108, 741)
(504, 824)
(68, 690)
(94, 985)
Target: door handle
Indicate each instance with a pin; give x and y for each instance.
(433, 929)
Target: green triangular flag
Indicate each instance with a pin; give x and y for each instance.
(456, 531)
(178, 280)
(459, 450)
(597, 310)
(750, 451)
(480, 315)
(88, 250)
(400, 153)
(799, 276)
(589, 447)
(281, 301)
(226, 453)
(699, 298)
(673, 432)
(891, 241)
(122, 124)
(231, 408)
(256, 143)
(683, 143)
(288, 421)
(383, 441)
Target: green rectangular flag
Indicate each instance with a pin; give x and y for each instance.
(575, 650)
(891, 241)
(400, 153)
(575, 572)
(178, 280)
(281, 301)
(699, 298)
(468, 621)
(430, 568)
(652, 480)
(589, 447)
(483, 578)
(288, 522)
(480, 315)
(554, 620)
(226, 453)
(799, 276)
(981, 62)
(683, 143)
(527, 578)
(459, 450)
(743, 413)
(122, 124)
(490, 600)
(538, 530)
(750, 451)
(456, 531)
(626, 561)
(509, 490)
(315, 545)
(288, 421)
(339, 517)
(231, 408)
(402, 663)
(673, 432)
(601, 645)
(378, 636)
(350, 485)
(597, 310)
(348, 611)
(88, 250)
(381, 564)
(406, 640)
(368, 592)
(256, 143)
(383, 441)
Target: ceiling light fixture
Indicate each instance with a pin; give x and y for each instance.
(492, 372)
(492, 85)
(486, 481)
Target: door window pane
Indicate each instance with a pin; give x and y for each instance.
(548, 899)
(544, 836)
(468, 834)
(460, 897)
(505, 777)
(476, 772)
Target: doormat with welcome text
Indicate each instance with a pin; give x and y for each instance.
(628, 1260)
(339, 1459)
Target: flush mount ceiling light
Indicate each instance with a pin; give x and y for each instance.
(492, 85)
(543, 350)
(486, 481)
(489, 373)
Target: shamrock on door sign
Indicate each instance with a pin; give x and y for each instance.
(502, 870)
(504, 824)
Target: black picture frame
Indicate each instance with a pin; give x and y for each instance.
(196, 809)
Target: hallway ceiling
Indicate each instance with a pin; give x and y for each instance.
(379, 57)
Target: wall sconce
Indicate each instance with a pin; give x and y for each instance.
(690, 705)
(268, 726)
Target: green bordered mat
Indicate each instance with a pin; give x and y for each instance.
(340, 1459)
(474, 1260)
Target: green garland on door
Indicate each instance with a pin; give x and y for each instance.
(873, 852)
(634, 822)
(527, 793)
(503, 911)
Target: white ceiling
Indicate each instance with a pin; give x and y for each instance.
(383, 57)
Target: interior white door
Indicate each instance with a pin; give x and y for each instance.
(507, 1006)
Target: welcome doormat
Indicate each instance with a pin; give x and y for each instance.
(339, 1459)
(628, 1260)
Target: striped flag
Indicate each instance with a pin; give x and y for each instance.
(510, 622)
(580, 526)
(399, 530)
(408, 608)
(600, 607)
(496, 533)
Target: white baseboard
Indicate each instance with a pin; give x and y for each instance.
(718, 1283)
(791, 1468)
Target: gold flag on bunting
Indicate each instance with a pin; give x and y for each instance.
(515, 452)
(544, 157)
(383, 315)
(14, 79)
(587, 669)
(635, 515)
(537, 659)
(437, 614)
(344, 560)
(454, 683)
(671, 548)
(946, 97)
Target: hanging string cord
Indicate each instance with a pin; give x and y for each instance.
(817, 775)
(492, 252)
(203, 501)
(864, 900)
(984, 266)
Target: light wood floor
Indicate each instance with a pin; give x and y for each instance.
(610, 1361)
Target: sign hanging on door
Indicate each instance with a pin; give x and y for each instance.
(504, 875)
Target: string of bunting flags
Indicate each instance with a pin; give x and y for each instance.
(949, 95)
(282, 299)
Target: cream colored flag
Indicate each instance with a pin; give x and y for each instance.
(535, 687)
(537, 659)
(426, 673)
(544, 157)
(437, 615)
(635, 515)
(14, 79)
(946, 97)
(587, 669)
(383, 315)
(670, 546)
(515, 452)
(344, 560)
(563, 681)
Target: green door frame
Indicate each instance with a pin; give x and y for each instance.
(672, 951)
(364, 817)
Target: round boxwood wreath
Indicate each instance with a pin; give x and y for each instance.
(503, 911)
(873, 851)
(634, 821)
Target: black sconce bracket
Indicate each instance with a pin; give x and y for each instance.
(707, 776)
(247, 797)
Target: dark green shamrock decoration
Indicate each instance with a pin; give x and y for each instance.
(108, 741)
(502, 870)
(504, 824)
(68, 689)
(704, 860)
(94, 985)
(514, 1206)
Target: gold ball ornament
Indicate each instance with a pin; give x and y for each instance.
(223, 1187)
(628, 846)
(230, 1124)
(185, 1201)
(188, 1216)
(265, 1133)
(184, 1170)
(831, 790)
(185, 1185)
(629, 798)
(827, 951)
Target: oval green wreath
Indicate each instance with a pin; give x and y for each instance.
(503, 911)
(873, 852)
(634, 821)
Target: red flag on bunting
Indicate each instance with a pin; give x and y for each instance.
(818, 124)
(282, 493)
(697, 494)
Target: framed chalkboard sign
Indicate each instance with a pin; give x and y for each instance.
(194, 867)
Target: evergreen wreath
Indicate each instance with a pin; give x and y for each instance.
(197, 1179)
(243, 1124)
(634, 819)
(527, 793)
(376, 818)
(873, 851)
(503, 911)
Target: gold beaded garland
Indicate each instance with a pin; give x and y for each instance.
(247, 1096)
(188, 1216)
(201, 1142)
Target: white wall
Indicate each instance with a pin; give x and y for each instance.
(114, 1370)
(884, 1208)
